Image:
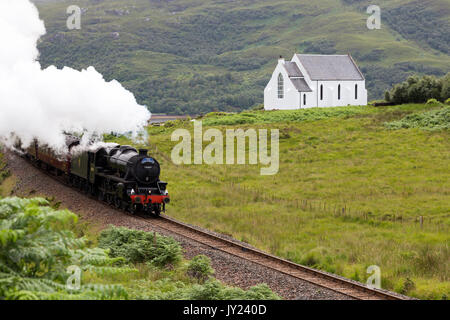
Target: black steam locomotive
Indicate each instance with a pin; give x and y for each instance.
(119, 175)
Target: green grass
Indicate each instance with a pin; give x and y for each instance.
(7, 181)
(349, 194)
(3, 169)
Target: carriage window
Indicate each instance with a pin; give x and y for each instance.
(280, 86)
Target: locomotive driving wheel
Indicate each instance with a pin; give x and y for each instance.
(117, 202)
(101, 195)
(125, 205)
(133, 208)
(109, 199)
(157, 210)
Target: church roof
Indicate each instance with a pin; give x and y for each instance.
(296, 76)
(330, 67)
(301, 85)
(292, 69)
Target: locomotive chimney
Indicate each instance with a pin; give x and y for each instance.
(143, 152)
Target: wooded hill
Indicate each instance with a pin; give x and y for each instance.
(193, 56)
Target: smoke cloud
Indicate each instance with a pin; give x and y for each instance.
(45, 103)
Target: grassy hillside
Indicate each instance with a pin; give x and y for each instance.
(349, 193)
(192, 56)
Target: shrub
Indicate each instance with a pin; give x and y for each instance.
(200, 268)
(214, 290)
(36, 249)
(447, 102)
(211, 290)
(432, 102)
(445, 93)
(140, 246)
(431, 120)
(167, 252)
(405, 286)
(258, 107)
(314, 257)
(419, 90)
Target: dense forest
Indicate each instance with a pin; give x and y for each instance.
(193, 57)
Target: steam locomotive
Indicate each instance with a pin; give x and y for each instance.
(117, 174)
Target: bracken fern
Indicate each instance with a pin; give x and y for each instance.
(36, 248)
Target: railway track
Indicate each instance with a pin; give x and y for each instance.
(352, 289)
(349, 288)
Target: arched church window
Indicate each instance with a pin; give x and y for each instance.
(280, 86)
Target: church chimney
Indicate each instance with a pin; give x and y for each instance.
(281, 59)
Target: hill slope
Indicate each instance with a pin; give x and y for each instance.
(192, 56)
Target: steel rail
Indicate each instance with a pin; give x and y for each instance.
(353, 289)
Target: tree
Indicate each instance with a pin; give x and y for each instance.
(445, 91)
(419, 90)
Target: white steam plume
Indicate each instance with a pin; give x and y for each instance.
(43, 104)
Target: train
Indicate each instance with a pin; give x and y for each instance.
(120, 175)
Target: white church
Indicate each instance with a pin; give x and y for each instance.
(311, 80)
